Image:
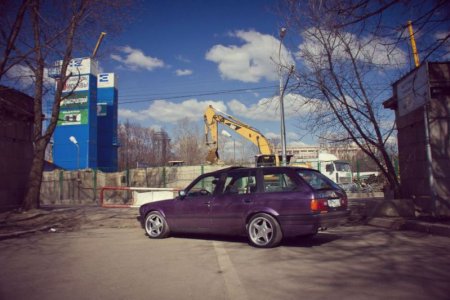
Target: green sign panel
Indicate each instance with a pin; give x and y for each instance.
(74, 109)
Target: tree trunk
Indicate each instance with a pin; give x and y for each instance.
(35, 178)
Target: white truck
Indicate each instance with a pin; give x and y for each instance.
(328, 164)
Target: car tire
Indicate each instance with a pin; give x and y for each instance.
(156, 225)
(264, 231)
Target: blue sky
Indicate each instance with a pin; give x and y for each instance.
(177, 57)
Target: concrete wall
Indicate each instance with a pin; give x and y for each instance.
(16, 148)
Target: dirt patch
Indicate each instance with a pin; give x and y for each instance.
(15, 223)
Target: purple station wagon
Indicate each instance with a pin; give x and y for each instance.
(266, 204)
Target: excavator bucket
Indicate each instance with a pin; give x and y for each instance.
(213, 156)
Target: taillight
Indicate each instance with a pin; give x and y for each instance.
(319, 205)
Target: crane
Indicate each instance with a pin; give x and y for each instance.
(213, 117)
(99, 41)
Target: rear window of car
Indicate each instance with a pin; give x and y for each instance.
(317, 180)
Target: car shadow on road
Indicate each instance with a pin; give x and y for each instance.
(305, 242)
(211, 237)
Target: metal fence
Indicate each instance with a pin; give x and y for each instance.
(83, 187)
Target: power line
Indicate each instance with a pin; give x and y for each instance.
(220, 92)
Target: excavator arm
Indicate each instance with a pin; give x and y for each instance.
(213, 117)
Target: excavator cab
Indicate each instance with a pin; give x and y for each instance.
(270, 160)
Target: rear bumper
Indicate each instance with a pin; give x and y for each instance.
(295, 225)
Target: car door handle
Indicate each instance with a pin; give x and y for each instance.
(247, 200)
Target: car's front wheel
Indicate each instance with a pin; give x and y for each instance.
(264, 231)
(156, 225)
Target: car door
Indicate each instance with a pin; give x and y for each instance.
(192, 212)
(230, 206)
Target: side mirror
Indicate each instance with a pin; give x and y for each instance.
(182, 194)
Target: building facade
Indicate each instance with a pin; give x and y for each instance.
(421, 101)
(16, 145)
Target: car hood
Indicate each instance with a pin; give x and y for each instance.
(157, 205)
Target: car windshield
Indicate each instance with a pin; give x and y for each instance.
(343, 167)
(203, 187)
(317, 180)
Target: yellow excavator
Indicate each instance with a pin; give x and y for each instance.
(213, 117)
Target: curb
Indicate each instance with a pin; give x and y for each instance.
(431, 228)
(389, 223)
(411, 225)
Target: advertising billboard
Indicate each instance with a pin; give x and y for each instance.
(76, 83)
(74, 109)
(77, 66)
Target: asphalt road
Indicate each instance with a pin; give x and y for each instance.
(358, 262)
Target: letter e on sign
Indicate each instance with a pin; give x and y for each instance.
(105, 80)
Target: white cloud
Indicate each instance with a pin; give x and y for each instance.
(268, 109)
(135, 59)
(441, 36)
(272, 135)
(172, 112)
(296, 144)
(251, 62)
(131, 114)
(378, 51)
(292, 136)
(182, 58)
(185, 72)
(24, 76)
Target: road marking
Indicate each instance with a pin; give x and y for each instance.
(235, 289)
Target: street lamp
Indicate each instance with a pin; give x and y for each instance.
(228, 135)
(282, 88)
(75, 142)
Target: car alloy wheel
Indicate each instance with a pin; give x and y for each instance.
(264, 231)
(156, 225)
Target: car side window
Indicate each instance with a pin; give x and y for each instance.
(203, 187)
(278, 182)
(239, 183)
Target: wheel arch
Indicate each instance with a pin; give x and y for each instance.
(264, 210)
(150, 210)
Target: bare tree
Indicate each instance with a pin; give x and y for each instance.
(348, 60)
(145, 146)
(431, 20)
(141, 146)
(10, 32)
(189, 143)
(40, 33)
(351, 51)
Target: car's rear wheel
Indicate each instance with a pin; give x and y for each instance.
(264, 231)
(156, 225)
